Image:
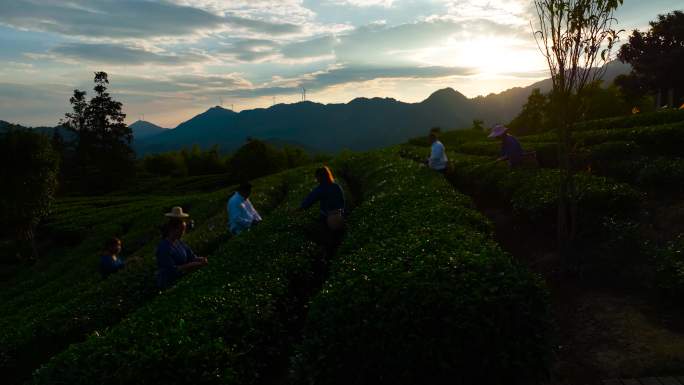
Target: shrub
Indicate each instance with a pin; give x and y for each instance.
(670, 267)
(227, 322)
(649, 119)
(412, 300)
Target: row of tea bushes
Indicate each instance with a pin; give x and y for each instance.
(67, 307)
(648, 119)
(226, 323)
(670, 268)
(419, 292)
(533, 193)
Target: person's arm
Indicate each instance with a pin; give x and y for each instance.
(252, 211)
(310, 199)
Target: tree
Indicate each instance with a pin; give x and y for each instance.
(533, 117)
(103, 156)
(575, 37)
(256, 159)
(656, 57)
(29, 169)
(478, 125)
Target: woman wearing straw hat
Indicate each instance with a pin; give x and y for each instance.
(511, 150)
(174, 257)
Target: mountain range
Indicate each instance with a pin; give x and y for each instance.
(361, 124)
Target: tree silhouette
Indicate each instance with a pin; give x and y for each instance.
(103, 156)
(656, 57)
(28, 170)
(574, 36)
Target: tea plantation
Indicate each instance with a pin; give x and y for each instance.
(419, 291)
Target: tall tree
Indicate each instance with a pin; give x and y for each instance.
(104, 157)
(656, 57)
(576, 38)
(28, 170)
(534, 117)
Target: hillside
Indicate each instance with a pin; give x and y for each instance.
(437, 277)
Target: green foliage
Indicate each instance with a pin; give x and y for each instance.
(256, 159)
(533, 117)
(64, 300)
(656, 56)
(28, 171)
(670, 267)
(412, 300)
(226, 323)
(646, 119)
(533, 193)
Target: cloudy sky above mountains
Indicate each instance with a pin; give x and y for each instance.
(170, 60)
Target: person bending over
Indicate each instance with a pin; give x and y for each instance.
(511, 150)
(241, 213)
(438, 160)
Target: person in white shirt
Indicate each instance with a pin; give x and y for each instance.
(241, 213)
(438, 159)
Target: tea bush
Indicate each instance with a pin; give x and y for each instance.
(47, 310)
(649, 119)
(670, 267)
(420, 293)
(226, 323)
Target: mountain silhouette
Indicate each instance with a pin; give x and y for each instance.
(143, 129)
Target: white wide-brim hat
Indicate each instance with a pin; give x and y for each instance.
(177, 212)
(498, 130)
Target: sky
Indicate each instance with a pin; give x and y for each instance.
(169, 60)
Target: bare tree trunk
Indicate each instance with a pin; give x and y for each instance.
(670, 98)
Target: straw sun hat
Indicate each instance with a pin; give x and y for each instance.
(497, 131)
(177, 212)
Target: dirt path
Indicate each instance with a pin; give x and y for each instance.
(604, 328)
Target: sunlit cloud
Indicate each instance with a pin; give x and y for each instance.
(169, 59)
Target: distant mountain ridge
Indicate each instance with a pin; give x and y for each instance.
(143, 129)
(361, 124)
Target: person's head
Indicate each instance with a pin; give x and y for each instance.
(432, 137)
(324, 175)
(245, 189)
(174, 228)
(113, 246)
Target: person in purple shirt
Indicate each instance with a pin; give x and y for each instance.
(110, 261)
(511, 150)
(174, 257)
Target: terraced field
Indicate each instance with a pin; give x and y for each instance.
(438, 279)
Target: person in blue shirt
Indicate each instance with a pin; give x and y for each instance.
(330, 196)
(174, 257)
(511, 150)
(110, 261)
(332, 211)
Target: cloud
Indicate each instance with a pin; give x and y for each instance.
(125, 19)
(118, 54)
(319, 46)
(364, 3)
(249, 50)
(342, 75)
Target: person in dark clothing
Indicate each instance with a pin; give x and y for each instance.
(174, 257)
(332, 211)
(511, 150)
(110, 261)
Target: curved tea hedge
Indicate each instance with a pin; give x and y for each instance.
(670, 267)
(226, 323)
(67, 301)
(419, 292)
(533, 193)
(648, 119)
